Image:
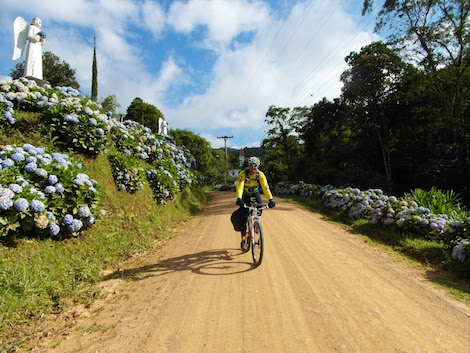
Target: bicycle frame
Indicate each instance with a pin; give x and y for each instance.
(254, 235)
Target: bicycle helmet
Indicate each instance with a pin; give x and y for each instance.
(253, 160)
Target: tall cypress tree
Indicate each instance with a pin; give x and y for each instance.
(94, 79)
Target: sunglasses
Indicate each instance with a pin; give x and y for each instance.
(253, 165)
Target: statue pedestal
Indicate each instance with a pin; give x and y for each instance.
(38, 81)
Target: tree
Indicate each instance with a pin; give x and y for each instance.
(57, 73)
(437, 33)
(370, 85)
(283, 140)
(94, 76)
(110, 104)
(144, 113)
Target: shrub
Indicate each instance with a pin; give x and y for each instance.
(47, 194)
(127, 175)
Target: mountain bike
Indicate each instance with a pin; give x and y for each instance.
(254, 232)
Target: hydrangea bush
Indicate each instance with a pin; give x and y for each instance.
(76, 122)
(44, 193)
(163, 184)
(79, 126)
(126, 174)
(402, 213)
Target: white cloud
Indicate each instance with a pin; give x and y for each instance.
(154, 17)
(222, 19)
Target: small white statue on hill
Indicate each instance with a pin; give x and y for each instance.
(36, 39)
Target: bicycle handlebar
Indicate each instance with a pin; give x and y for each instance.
(256, 207)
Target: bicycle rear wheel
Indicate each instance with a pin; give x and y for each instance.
(257, 245)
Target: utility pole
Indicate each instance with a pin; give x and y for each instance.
(226, 157)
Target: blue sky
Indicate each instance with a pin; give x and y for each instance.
(211, 66)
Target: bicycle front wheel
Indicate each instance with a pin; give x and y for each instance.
(257, 245)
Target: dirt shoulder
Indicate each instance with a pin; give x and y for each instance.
(319, 289)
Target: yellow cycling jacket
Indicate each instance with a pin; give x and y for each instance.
(250, 185)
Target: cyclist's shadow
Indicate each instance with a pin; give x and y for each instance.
(217, 262)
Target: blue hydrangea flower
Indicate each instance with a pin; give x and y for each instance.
(30, 167)
(41, 172)
(50, 215)
(7, 163)
(9, 118)
(78, 165)
(100, 131)
(68, 219)
(59, 158)
(31, 159)
(49, 189)
(75, 226)
(18, 157)
(72, 118)
(81, 179)
(21, 204)
(17, 189)
(52, 179)
(54, 229)
(59, 188)
(5, 203)
(37, 206)
(29, 148)
(84, 211)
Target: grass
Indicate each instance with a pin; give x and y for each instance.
(427, 256)
(42, 277)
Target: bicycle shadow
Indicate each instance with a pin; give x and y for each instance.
(220, 262)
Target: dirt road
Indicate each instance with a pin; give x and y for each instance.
(319, 289)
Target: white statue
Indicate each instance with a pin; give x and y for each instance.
(36, 39)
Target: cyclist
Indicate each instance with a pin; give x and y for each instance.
(249, 182)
